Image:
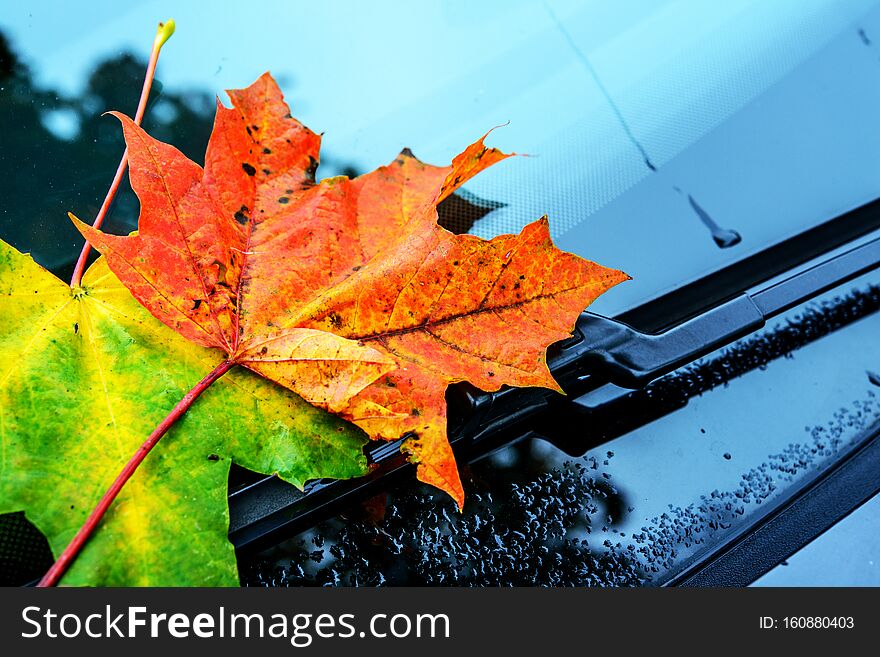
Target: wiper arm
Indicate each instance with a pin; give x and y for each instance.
(631, 359)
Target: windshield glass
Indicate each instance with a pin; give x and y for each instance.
(659, 130)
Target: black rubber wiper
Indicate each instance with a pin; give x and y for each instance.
(632, 359)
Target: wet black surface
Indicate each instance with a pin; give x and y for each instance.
(517, 534)
(24, 551)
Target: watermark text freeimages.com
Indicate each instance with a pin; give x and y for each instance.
(299, 629)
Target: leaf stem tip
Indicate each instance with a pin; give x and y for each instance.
(164, 32)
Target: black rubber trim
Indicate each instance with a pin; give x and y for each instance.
(818, 506)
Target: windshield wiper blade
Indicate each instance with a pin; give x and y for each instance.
(632, 359)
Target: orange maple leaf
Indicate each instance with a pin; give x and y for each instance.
(347, 292)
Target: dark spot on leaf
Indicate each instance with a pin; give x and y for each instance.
(522, 277)
(213, 457)
(248, 169)
(75, 328)
(267, 171)
(283, 199)
(255, 127)
(415, 412)
(390, 383)
(491, 373)
(288, 191)
(267, 151)
(248, 128)
(356, 268)
(241, 216)
(335, 320)
(196, 304)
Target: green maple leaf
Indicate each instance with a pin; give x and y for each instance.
(86, 375)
